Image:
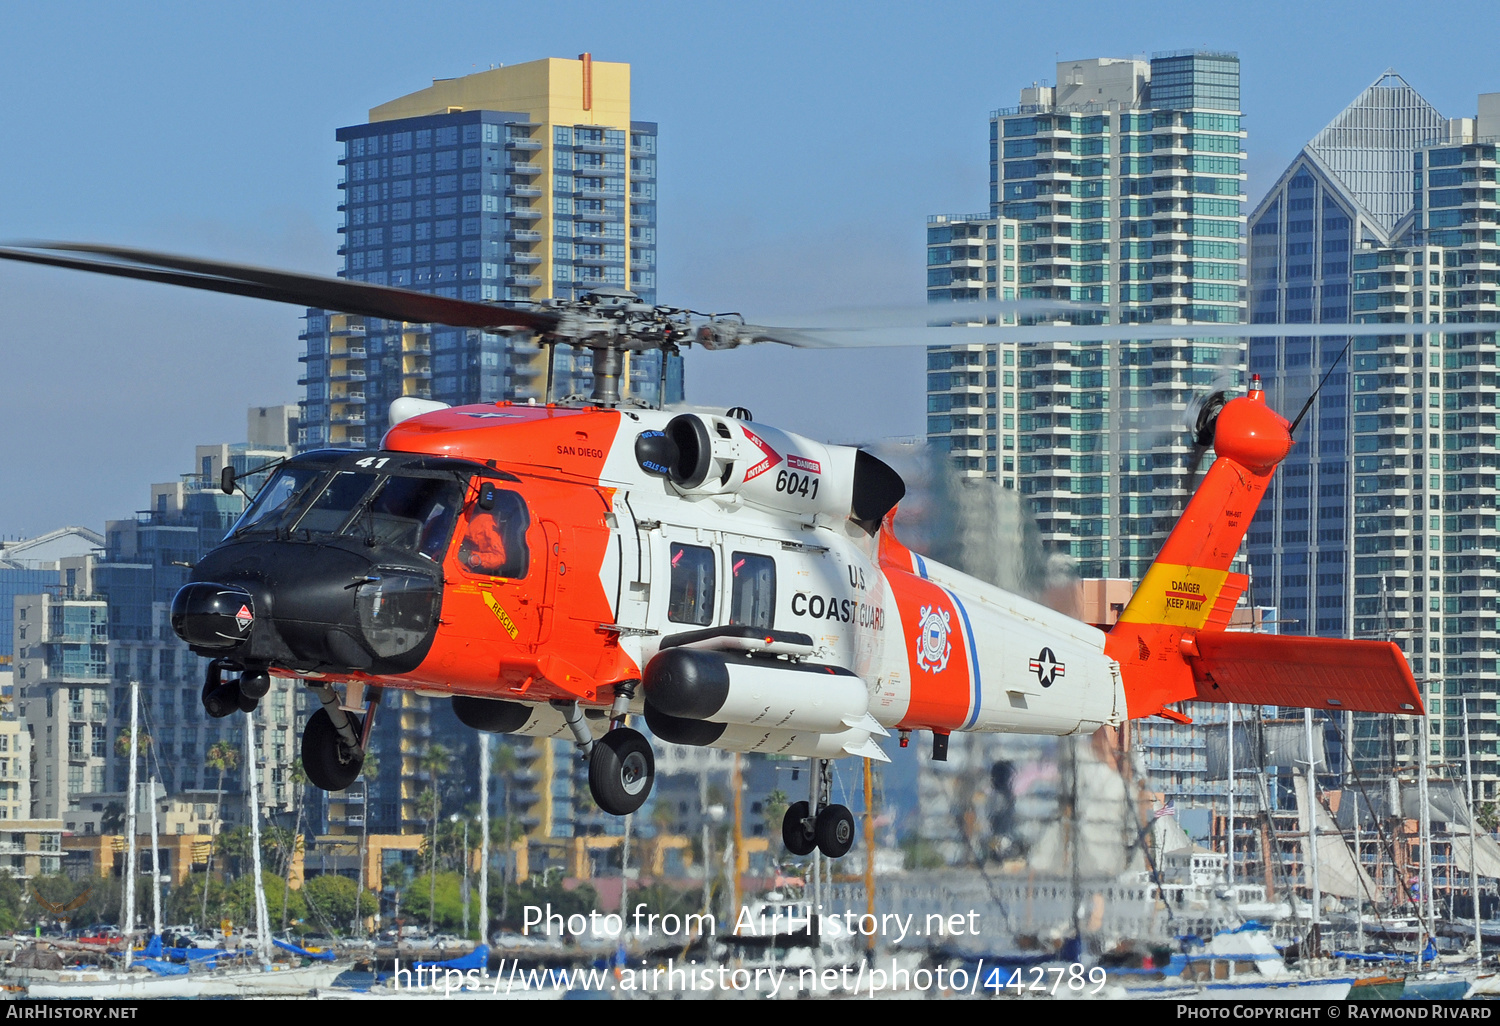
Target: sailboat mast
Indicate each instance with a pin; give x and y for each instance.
(155, 864)
(1359, 858)
(262, 916)
(127, 928)
(1312, 833)
(1229, 844)
(1426, 827)
(1473, 833)
(484, 837)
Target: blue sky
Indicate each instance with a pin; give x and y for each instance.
(802, 147)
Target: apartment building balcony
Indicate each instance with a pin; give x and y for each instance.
(523, 145)
(523, 213)
(521, 167)
(523, 235)
(529, 280)
(528, 191)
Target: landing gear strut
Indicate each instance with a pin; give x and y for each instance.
(333, 742)
(817, 824)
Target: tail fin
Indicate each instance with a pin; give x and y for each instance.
(1189, 593)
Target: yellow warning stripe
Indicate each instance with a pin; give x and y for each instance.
(501, 615)
(1181, 596)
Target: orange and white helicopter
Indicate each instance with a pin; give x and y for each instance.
(560, 571)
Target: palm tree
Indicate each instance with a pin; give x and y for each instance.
(297, 782)
(433, 765)
(506, 764)
(223, 757)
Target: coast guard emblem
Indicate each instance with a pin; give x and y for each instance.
(933, 647)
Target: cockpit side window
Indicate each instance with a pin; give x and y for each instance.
(415, 514)
(691, 598)
(494, 540)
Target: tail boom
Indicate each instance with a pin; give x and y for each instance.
(1170, 641)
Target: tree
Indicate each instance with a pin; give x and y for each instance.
(507, 765)
(222, 756)
(113, 820)
(289, 851)
(122, 744)
(434, 764)
(441, 901)
(334, 900)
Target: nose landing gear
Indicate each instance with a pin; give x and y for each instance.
(830, 828)
(333, 742)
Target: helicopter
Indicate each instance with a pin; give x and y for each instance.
(567, 570)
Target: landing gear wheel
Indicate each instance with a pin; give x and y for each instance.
(835, 831)
(328, 762)
(795, 833)
(220, 700)
(621, 771)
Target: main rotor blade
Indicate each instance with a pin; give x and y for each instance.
(923, 315)
(866, 338)
(353, 297)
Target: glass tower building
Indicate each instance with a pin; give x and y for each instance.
(1125, 181)
(1426, 471)
(1347, 190)
(517, 184)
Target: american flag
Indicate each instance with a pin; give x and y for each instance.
(1166, 810)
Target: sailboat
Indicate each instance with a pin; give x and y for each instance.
(165, 980)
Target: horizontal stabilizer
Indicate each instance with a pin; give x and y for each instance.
(1306, 673)
(867, 749)
(867, 722)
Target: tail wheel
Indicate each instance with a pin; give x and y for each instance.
(835, 831)
(329, 763)
(621, 771)
(796, 834)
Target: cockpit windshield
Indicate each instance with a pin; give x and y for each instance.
(308, 503)
(280, 500)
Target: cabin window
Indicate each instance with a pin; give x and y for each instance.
(692, 594)
(494, 540)
(752, 590)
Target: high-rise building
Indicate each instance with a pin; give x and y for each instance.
(1376, 525)
(1424, 451)
(1348, 189)
(971, 389)
(1125, 181)
(146, 559)
(518, 184)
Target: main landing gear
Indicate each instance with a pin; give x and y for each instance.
(622, 768)
(830, 828)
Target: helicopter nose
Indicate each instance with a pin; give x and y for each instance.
(215, 616)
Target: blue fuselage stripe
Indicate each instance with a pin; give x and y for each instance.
(974, 679)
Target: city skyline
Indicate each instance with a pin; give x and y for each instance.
(838, 234)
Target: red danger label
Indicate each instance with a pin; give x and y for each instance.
(772, 457)
(804, 464)
(243, 617)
